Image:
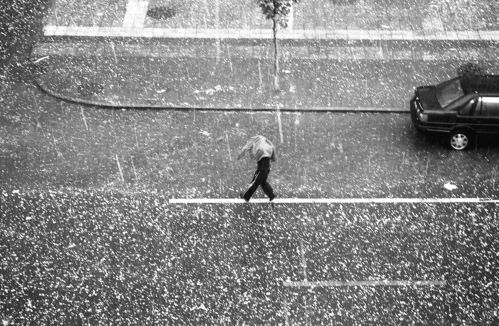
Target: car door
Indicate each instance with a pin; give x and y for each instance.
(466, 116)
(487, 115)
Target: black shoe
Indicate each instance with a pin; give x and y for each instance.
(241, 195)
(272, 198)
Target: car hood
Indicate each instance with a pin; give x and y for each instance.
(428, 97)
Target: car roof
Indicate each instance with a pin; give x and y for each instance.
(481, 84)
(489, 95)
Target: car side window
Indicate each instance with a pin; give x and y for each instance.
(490, 107)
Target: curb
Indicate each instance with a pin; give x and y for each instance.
(41, 85)
(255, 41)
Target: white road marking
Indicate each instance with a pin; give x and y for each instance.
(362, 283)
(336, 201)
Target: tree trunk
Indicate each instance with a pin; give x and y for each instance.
(276, 56)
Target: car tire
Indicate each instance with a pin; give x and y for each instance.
(460, 140)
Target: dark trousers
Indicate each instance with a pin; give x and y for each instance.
(260, 179)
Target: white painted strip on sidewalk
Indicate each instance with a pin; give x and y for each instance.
(329, 284)
(399, 35)
(135, 15)
(336, 201)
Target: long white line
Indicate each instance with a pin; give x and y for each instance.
(344, 34)
(309, 284)
(336, 201)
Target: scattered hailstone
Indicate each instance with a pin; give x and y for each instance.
(450, 186)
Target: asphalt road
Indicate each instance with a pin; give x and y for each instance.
(48, 143)
(100, 257)
(20, 27)
(89, 236)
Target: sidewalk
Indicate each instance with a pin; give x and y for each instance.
(414, 15)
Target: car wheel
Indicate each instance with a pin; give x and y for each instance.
(460, 140)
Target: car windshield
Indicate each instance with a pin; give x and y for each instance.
(449, 91)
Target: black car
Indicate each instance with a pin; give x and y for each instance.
(461, 108)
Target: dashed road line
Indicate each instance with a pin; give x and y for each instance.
(330, 284)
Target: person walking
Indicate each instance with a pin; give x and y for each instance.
(263, 151)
